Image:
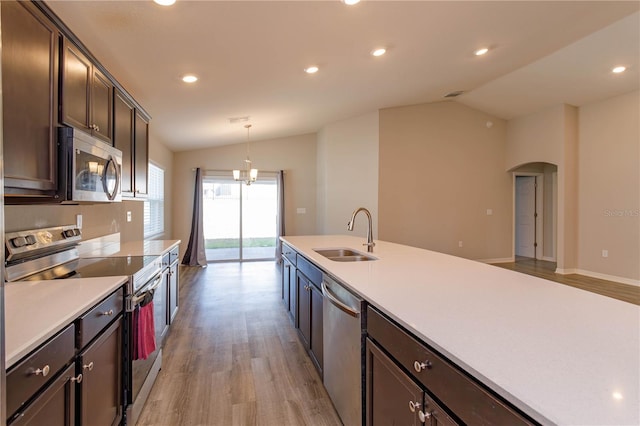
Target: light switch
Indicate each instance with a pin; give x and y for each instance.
(489, 212)
(301, 210)
(605, 253)
(129, 216)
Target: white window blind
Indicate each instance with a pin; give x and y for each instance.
(154, 205)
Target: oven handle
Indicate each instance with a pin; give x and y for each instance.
(138, 298)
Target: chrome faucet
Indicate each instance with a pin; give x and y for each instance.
(370, 244)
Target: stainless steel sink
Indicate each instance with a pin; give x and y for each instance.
(344, 255)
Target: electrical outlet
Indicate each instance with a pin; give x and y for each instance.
(301, 210)
(128, 216)
(605, 253)
(489, 212)
(79, 221)
(459, 243)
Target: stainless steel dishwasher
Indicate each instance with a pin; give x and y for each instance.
(342, 341)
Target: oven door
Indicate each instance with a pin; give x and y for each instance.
(143, 359)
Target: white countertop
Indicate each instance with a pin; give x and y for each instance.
(130, 248)
(36, 310)
(562, 355)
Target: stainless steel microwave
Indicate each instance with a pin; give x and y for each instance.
(90, 170)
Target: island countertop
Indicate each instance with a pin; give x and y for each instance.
(560, 354)
(36, 310)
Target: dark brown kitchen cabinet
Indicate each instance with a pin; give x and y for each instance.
(392, 397)
(123, 118)
(100, 392)
(30, 102)
(75, 378)
(140, 155)
(289, 287)
(461, 397)
(55, 406)
(87, 94)
(310, 318)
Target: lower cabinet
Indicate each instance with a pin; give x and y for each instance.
(394, 398)
(407, 382)
(55, 406)
(100, 394)
(53, 386)
(174, 288)
(310, 318)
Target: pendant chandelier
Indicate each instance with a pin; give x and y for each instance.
(248, 175)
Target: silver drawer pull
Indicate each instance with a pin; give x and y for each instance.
(77, 379)
(424, 416)
(44, 371)
(108, 313)
(413, 406)
(419, 366)
(88, 366)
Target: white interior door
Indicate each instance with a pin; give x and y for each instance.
(525, 216)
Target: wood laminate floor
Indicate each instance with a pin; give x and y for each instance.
(232, 356)
(543, 269)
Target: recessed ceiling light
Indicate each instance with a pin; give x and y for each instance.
(311, 70)
(350, 2)
(619, 69)
(164, 2)
(379, 52)
(189, 78)
(482, 51)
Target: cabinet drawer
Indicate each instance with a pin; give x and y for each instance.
(24, 379)
(93, 321)
(289, 253)
(467, 399)
(166, 260)
(309, 270)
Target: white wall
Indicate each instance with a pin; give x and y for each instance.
(348, 174)
(609, 187)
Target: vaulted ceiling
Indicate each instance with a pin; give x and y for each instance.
(249, 57)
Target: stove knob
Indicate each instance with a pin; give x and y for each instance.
(31, 240)
(19, 242)
(76, 232)
(68, 233)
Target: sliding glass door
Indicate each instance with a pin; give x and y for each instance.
(239, 220)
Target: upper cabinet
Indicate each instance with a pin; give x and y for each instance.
(86, 94)
(141, 155)
(131, 136)
(30, 101)
(50, 79)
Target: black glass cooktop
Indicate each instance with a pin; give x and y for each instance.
(95, 267)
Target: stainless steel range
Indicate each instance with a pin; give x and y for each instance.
(51, 253)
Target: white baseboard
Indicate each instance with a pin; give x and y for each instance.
(497, 260)
(549, 259)
(598, 275)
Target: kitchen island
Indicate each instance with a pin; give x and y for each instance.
(559, 354)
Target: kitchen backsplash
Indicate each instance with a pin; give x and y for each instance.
(97, 219)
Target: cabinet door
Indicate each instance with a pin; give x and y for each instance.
(101, 107)
(123, 138)
(30, 92)
(174, 288)
(54, 407)
(286, 267)
(141, 154)
(76, 87)
(392, 397)
(316, 326)
(293, 296)
(101, 367)
(304, 308)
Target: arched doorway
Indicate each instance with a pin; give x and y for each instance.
(535, 212)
